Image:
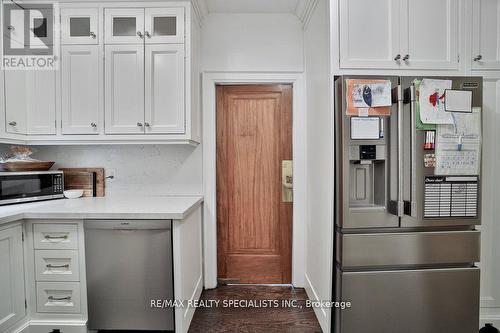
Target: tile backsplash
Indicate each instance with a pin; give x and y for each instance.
(137, 169)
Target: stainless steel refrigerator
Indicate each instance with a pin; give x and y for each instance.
(405, 238)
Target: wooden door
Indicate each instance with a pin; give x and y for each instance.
(81, 89)
(433, 45)
(370, 34)
(485, 35)
(164, 90)
(124, 89)
(254, 136)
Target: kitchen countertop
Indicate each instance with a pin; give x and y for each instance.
(129, 207)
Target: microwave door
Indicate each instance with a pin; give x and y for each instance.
(419, 178)
(14, 187)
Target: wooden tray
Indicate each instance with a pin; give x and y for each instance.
(26, 166)
(71, 179)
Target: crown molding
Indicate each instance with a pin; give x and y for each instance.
(304, 11)
(200, 9)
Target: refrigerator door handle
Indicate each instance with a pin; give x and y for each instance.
(413, 151)
(400, 152)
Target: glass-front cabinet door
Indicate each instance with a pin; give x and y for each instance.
(80, 26)
(164, 25)
(124, 25)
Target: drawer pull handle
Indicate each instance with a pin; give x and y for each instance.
(67, 298)
(57, 266)
(56, 237)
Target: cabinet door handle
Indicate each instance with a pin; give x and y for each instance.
(56, 237)
(67, 298)
(11, 28)
(397, 57)
(140, 34)
(147, 124)
(406, 58)
(94, 125)
(478, 57)
(93, 35)
(139, 124)
(57, 266)
(146, 33)
(13, 123)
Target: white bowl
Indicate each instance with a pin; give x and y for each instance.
(73, 194)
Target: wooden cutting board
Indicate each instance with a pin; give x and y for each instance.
(74, 177)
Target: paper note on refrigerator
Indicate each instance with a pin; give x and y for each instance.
(374, 95)
(431, 99)
(458, 147)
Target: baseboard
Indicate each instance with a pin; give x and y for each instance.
(323, 315)
(36, 326)
(491, 316)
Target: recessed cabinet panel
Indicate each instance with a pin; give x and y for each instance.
(30, 102)
(164, 89)
(369, 33)
(16, 103)
(11, 277)
(80, 26)
(58, 297)
(60, 265)
(42, 111)
(486, 35)
(124, 25)
(81, 89)
(124, 81)
(433, 44)
(164, 25)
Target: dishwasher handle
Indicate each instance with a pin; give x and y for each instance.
(128, 224)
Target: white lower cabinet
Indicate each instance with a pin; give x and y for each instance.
(81, 70)
(58, 297)
(12, 295)
(164, 89)
(124, 89)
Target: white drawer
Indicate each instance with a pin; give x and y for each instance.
(55, 236)
(57, 265)
(59, 297)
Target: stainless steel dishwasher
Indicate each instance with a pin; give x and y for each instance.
(129, 264)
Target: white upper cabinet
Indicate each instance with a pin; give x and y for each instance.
(164, 108)
(164, 25)
(124, 91)
(81, 89)
(430, 39)
(399, 34)
(80, 26)
(30, 102)
(12, 293)
(485, 35)
(124, 25)
(370, 34)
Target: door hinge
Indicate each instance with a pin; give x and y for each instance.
(458, 58)
(22, 236)
(25, 304)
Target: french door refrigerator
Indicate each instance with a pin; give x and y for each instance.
(406, 243)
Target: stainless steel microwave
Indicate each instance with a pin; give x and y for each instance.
(17, 187)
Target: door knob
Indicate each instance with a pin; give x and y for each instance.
(397, 57)
(406, 58)
(140, 34)
(94, 125)
(139, 124)
(13, 123)
(147, 124)
(93, 35)
(478, 57)
(11, 28)
(146, 33)
(287, 181)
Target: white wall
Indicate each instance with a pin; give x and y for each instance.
(139, 169)
(319, 251)
(251, 42)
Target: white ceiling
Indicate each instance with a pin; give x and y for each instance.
(252, 6)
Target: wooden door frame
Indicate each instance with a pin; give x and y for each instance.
(209, 82)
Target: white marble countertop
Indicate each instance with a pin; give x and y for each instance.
(129, 207)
